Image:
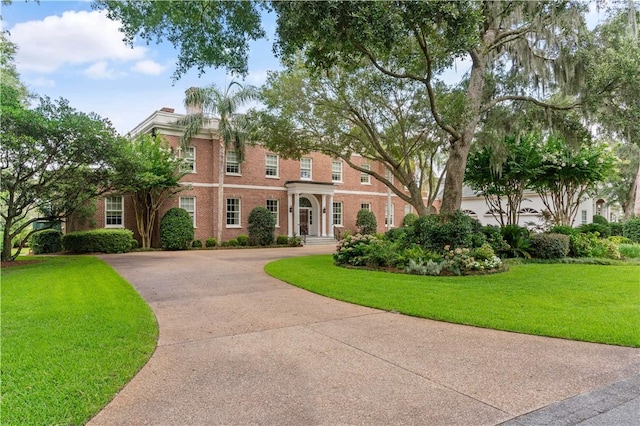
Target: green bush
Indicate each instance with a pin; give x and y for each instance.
(396, 234)
(631, 229)
(282, 240)
(211, 242)
(493, 237)
(232, 243)
(602, 229)
(436, 231)
(196, 244)
(262, 227)
(243, 240)
(607, 249)
(46, 241)
(549, 246)
(581, 245)
(409, 219)
(366, 222)
(485, 252)
(619, 239)
(176, 229)
(615, 228)
(563, 229)
(630, 251)
(599, 219)
(99, 241)
(518, 240)
(294, 242)
(352, 250)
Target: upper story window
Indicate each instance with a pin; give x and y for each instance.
(365, 206)
(189, 204)
(114, 211)
(336, 171)
(272, 206)
(188, 154)
(271, 161)
(389, 211)
(365, 178)
(305, 168)
(233, 166)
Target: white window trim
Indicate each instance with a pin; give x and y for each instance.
(187, 158)
(277, 212)
(340, 163)
(226, 161)
(310, 168)
(277, 175)
(107, 210)
(365, 208)
(391, 216)
(341, 224)
(194, 207)
(363, 174)
(226, 211)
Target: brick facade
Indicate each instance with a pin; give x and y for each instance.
(253, 187)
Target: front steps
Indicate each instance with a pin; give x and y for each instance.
(319, 241)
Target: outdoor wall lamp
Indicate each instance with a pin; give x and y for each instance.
(324, 210)
(290, 209)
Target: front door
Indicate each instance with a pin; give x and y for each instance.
(305, 216)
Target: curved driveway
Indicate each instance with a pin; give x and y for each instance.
(239, 347)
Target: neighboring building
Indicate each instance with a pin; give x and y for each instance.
(532, 208)
(316, 195)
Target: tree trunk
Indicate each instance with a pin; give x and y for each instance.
(634, 195)
(6, 243)
(221, 206)
(456, 165)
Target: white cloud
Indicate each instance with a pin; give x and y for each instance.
(40, 82)
(100, 71)
(75, 38)
(148, 67)
(257, 77)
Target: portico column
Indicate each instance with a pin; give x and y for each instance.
(330, 216)
(324, 215)
(289, 216)
(296, 214)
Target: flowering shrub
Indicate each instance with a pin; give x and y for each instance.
(460, 262)
(352, 250)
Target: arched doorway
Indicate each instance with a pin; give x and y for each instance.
(308, 214)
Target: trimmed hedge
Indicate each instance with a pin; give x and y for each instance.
(99, 241)
(434, 232)
(211, 242)
(366, 222)
(262, 227)
(631, 229)
(549, 246)
(176, 229)
(282, 240)
(46, 241)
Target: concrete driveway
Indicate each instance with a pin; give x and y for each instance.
(239, 347)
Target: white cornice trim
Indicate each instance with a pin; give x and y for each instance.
(163, 123)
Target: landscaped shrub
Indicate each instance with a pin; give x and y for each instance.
(231, 243)
(366, 222)
(484, 252)
(282, 240)
(176, 229)
(457, 230)
(493, 237)
(211, 242)
(460, 262)
(409, 219)
(420, 268)
(549, 246)
(630, 251)
(262, 227)
(46, 241)
(243, 240)
(607, 249)
(563, 229)
(619, 239)
(615, 228)
(352, 250)
(599, 219)
(382, 253)
(581, 245)
(518, 240)
(99, 241)
(294, 242)
(631, 229)
(396, 234)
(602, 229)
(196, 244)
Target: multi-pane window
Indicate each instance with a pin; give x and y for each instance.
(408, 209)
(233, 166)
(583, 217)
(337, 214)
(336, 171)
(305, 168)
(189, 204)
(272, 165)
(388, 175)
(365, 206)
(188, 154)
(272, 206)
(365, 178)
(233, 212)
(388, 214)
(114, 211)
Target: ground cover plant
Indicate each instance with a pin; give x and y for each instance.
(73, 334)
(579, 302)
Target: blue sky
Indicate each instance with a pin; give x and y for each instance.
(66, 49)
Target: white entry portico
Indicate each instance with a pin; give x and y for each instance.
(306, 214)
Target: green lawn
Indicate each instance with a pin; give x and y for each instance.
(579, 302)
(73, 334)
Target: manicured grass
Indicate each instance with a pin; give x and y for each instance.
(579, 302)
(73, 334)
